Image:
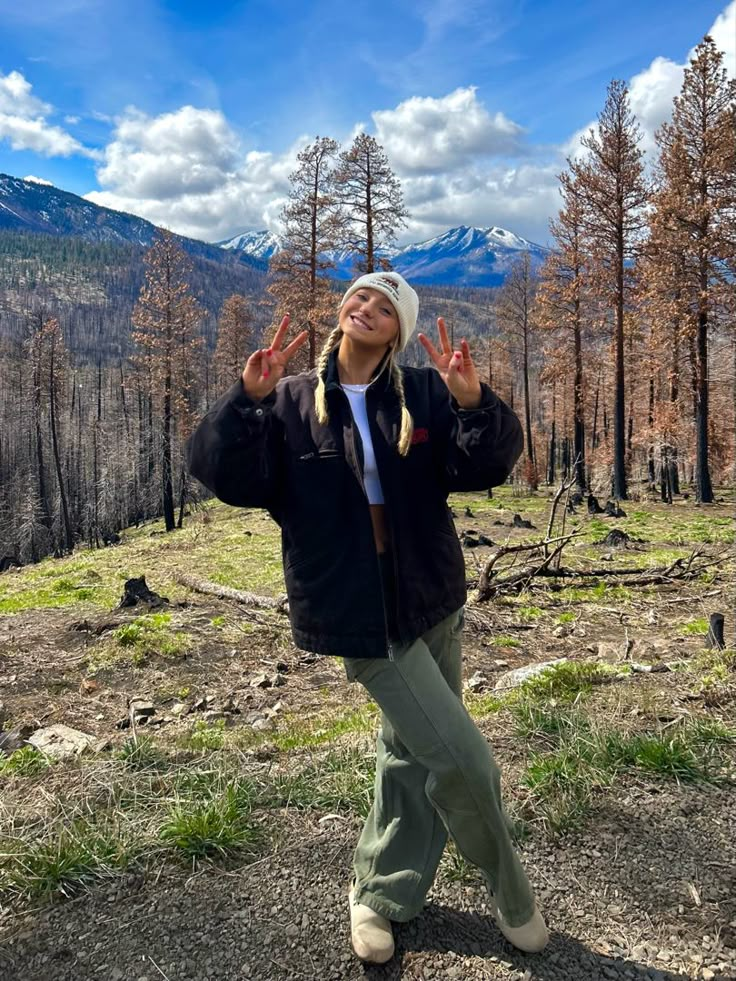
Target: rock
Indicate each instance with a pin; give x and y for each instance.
(88, 686)
(561, 631)
(230, 706)
(13, 740)
(291, 930)
(261, 680)
(200, 704)
(179, 708)
(140, 711)
(512, 679)
(61, 742)
(612, 653)
(212, 715)
(477, 682)
(270, 713)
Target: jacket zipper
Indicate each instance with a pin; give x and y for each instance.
(389, 645)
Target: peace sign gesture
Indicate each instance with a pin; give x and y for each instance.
(265, 368)
(456, 368)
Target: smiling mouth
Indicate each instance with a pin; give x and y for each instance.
(360, 323)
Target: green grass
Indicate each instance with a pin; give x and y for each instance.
(24, 762)
(140, 754)
(695, 627)
(342, 780)
(206, 736)
(563, 782)
(566, 682)
(63, 862)
(215, 828)
(504, 640)
(527, 613)
(296, 733)
(600, 593)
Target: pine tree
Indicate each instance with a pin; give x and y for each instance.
(693, 226)
(312, 228)
(514, 309)
(234, 330)
(564, 302)
(613, 195)
(166, 319)
(372, 201)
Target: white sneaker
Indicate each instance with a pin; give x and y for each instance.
(371, 933)
(531, 937)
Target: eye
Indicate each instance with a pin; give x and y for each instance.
(387, 311)
(362, 296)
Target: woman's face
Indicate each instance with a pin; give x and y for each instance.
(369, 317)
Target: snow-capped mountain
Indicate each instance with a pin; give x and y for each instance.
(30, 206)
(261, 245)
(463, 256)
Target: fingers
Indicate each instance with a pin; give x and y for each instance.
(291, 349)
(279, 335)
(465, 351)
(430, 349)
(444, 339)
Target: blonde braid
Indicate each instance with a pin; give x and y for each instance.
(407, 423)
(320, 400)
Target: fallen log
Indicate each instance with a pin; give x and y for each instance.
(278, 603)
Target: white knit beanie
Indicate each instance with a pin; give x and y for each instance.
(403, 299)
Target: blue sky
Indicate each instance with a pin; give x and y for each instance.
(191, 114)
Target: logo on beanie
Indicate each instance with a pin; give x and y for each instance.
(390, 283)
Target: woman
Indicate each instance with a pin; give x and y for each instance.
(355, 460)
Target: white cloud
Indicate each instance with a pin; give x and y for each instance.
(723, 33)
(458, 161)
(426, 135)
(520, 198)
(652, 90)
(24, 123)
(651, 93)
(186, 170)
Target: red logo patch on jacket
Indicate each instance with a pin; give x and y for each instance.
(420, 436)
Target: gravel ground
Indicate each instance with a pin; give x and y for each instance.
(646, 892)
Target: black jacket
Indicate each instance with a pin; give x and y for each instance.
(275, 455)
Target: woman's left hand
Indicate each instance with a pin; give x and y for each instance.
(456, 368)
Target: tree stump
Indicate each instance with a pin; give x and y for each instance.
(616, 539)
(520, 522)
(614, 510)
(593, 505)
(136, 591)
(714, 638)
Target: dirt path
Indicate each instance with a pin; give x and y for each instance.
(647, 893)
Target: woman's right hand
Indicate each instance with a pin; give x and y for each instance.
(266, 367)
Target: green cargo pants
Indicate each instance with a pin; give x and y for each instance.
(434, 774)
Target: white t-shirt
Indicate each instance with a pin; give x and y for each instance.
(356, 397)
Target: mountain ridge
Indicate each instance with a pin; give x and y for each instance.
(465, 256)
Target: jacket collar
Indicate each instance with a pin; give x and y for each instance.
(381, 381)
